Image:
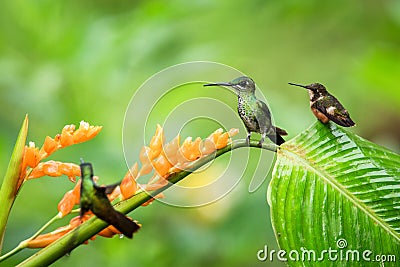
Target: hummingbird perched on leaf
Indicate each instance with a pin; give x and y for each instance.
(94, 198)
(253, 112)
(325, 106)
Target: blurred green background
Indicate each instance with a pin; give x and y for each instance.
(66, 61)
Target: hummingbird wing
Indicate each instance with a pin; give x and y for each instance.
(336, 113)
(103, 209)
(108, 189)
(263, 115)
(265, 121)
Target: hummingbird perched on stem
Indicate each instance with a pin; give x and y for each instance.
(325, 106)
(94, 198)
(253, 112)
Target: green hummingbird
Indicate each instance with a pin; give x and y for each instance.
(325, 106)
(94, 198)
(253, 112)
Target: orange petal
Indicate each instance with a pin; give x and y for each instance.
(214, 136)
(69, 169)
(171, 149)
(66, 139)
(157, 142)
(70, 199)
(207, 147)
(144, 155)
(31, 155)
(108, 232)
(36, 173)
(54, 169)
(85, 132)
(46, 239)
(191, 150)
(145, 160)
(50, 145)
(67, 203)
(77, 190)
(128, 185)
(161, 166)
(233, 132)
(222, 140)
(51, 168)
(93, 131)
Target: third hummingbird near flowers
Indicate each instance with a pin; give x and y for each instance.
(94, 198)
(253, 112)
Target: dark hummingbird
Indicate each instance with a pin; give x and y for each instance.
(94, 198)
(325, 106)
(253, 112)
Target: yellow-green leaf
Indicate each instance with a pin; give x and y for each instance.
(9, 185)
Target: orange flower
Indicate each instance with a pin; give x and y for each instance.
(144, 157)
(31, 155)
(170, 150)
(128, 185)
(174, 158)
(70, 199)
(214, 136)
(162, 166)
(68, 136)
(207, 147)
(108, 232)
(85, 132)
(156, 142)
(50, 145)
(46, 239)
(55, 169)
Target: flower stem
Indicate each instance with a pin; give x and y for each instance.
(23, 244)
(91, 227)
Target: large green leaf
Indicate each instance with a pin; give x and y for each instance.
(332, 189)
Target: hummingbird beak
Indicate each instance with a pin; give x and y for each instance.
(218, 84)
(304, 86)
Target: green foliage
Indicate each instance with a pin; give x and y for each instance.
(330, 184)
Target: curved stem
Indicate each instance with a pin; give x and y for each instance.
(91, 227)
(24, 243)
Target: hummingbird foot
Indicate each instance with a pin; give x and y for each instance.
(260, 143)
(262, 139)
(248, 139)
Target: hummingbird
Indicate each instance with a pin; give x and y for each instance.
(94, 198)
(325, 106)
(253, 112)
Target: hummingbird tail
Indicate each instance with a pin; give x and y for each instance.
(280, 131)
(277, 139)
(126, 226)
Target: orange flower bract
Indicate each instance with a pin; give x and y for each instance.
(55, 169)
(128, 185)
(160, 158)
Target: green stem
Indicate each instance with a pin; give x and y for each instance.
(8, 190)
(91, 227)
(24, 243)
